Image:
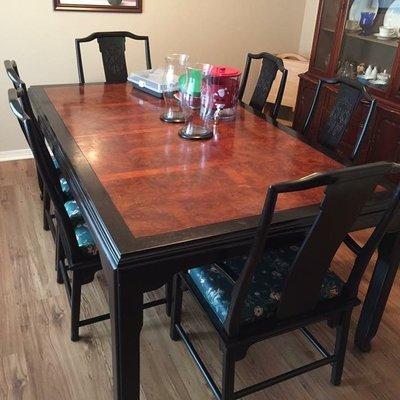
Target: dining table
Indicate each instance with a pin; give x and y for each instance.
(157, 204)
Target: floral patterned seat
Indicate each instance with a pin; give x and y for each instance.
(63, 182)
(85, 240)
(65, 189)
(215, 283)
(83, 236)
(56, 163)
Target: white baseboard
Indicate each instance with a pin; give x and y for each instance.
(12, 155)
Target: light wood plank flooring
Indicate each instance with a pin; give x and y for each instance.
(38, 361)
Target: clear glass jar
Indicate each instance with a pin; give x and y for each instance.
(175, 69)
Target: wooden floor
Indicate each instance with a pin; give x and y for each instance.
(38, 361)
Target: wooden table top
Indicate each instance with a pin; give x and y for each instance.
(161, 183)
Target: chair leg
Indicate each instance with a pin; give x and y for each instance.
(46, 210)
(334, 321)
(76, 290)
(168, 297)
(176, 309)
(59, 257)
(342, 334)
(40, 183)
(228, 376)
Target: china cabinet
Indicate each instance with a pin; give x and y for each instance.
(358, 39)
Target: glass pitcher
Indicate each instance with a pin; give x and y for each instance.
(175, 69)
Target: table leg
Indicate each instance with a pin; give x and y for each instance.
(379, 290)
(126, 307)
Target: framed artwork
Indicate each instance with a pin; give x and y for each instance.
(132, 6)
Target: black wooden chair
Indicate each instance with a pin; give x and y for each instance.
(112, 48)
(330, 136)
(269, 70)
(286, 285)
(13, 74)
(20, 86)
(76, 252)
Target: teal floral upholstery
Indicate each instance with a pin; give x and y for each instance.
(55, 162)
(63, 182)
(215, 283)
(83, 236)
(65, 188)
(85, 240)
(73, 211)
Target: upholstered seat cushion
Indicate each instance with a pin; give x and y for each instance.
(83, 236)
(55, 162)
(85, 240)
(73, 211)
(65, 189)
(215, 283)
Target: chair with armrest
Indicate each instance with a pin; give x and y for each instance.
(332, 132)
(112, 48)
(76, 252)
(268, 73)
(288, 284)
(20, 86)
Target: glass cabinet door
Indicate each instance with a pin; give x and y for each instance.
(370, 42)
(326, 36)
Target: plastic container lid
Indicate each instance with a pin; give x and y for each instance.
(225, 72)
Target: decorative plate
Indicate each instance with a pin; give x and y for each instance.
(392, 17)
(360, 6)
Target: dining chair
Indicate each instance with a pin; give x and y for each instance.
(112, 48)
(12, 71)
(350, 95)
(13, 74)
(287, 284)
(20, 86)
(76, 252)
(268, 73)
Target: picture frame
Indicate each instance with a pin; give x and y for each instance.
(118, 6)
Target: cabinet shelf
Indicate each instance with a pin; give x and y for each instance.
(374, 39)
(370, 38)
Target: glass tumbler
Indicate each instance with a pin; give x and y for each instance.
(175, 69)
(367, 22)
(196, 106)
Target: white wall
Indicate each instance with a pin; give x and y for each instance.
(42, 40)
(307, 32)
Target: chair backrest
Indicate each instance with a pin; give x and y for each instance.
(269, 69)
(112, 48)
(12, 72)
(350, 95)
(48, 174)
(19, 85)
(346, 192)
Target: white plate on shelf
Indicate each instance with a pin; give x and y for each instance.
(392, 16)
(365, 78)
(385, 37)
(360, 6)
(379, 82)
